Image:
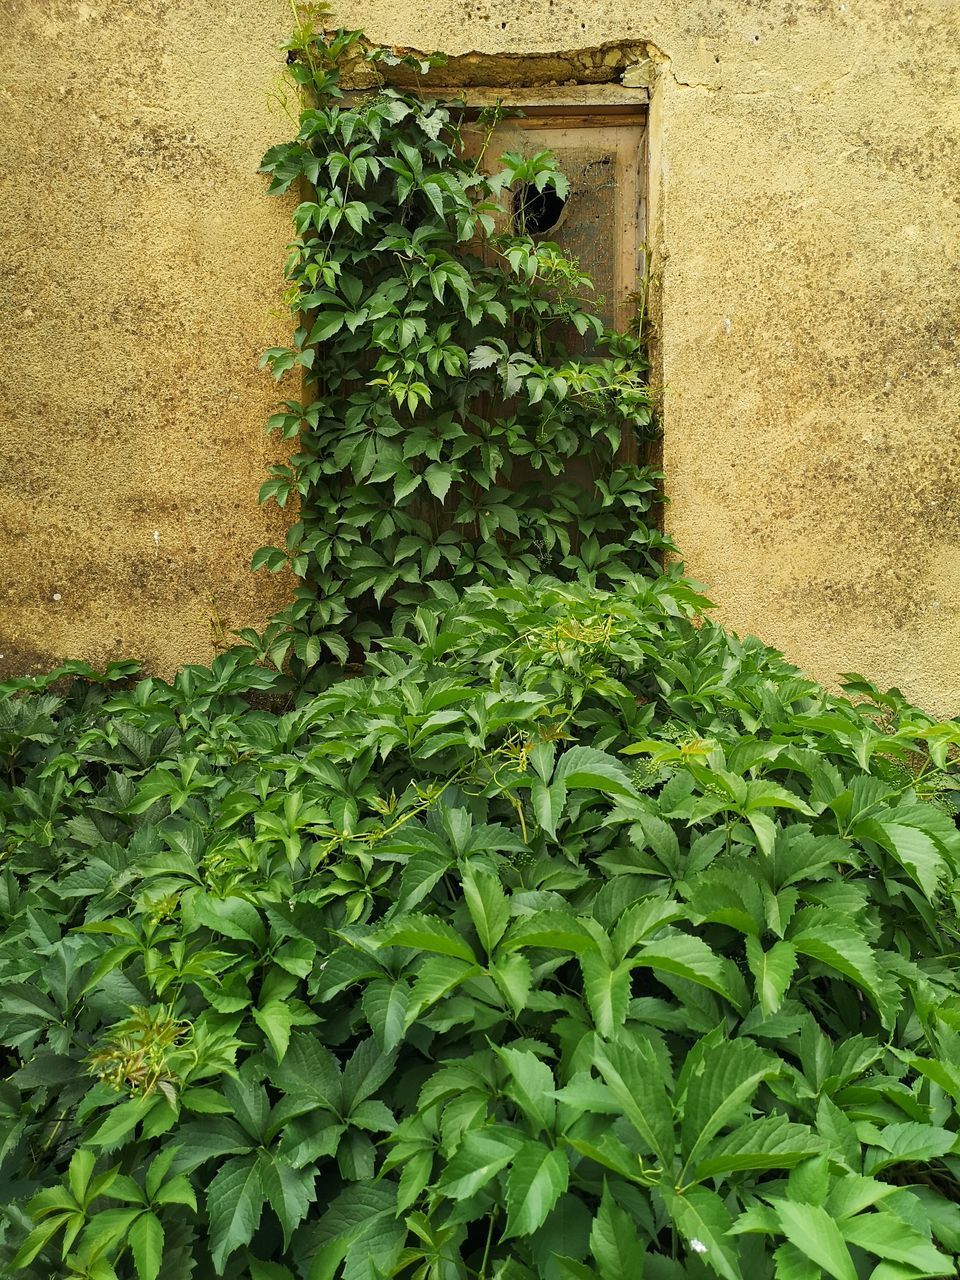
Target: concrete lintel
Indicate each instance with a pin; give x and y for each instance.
(571, 96)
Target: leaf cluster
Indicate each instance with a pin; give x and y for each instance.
(453, 367)
(574, 937)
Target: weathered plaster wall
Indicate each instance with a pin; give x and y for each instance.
(805, 219)
(811, 222)
(141, 269)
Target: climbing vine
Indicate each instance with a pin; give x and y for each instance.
(453, 365)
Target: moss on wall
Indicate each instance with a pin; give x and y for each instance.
(805, 220)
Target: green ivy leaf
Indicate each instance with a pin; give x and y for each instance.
(587, 767)
(549, 801)
(844, 948)
(907, 1142)
(772, 1142)
(488, 907)
(234, 917)
(146, 1244)
(234, 1205)
(913, 849)
(439, 476)
(721, 1084)
(290, 1193)
(686, 956)
(890, 1237)
(702, 1219)
(614, 1242)
(531, 1085)
(426, 933)
(385, 1005)
(537, 1179)
(635, 1078)
(607, 988)
(772, 971)
(480, 1157)
(810, 1229)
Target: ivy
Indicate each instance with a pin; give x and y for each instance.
(454, 367)
(574, 938)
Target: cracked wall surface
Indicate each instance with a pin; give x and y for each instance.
(804, 217)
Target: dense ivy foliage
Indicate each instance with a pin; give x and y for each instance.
(575, 938)
(563, 936)
(444, 402)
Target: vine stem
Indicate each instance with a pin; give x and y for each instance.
(482, 1273)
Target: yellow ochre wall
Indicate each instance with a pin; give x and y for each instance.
(804, 220)
(142, 278)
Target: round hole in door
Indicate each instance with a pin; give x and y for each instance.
(537, 212)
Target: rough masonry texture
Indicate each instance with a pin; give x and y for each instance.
(804, 220)
(142, 264)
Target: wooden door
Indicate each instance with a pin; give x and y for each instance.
(601, 223)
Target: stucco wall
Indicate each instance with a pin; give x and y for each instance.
(141, 275)
(805, 222)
